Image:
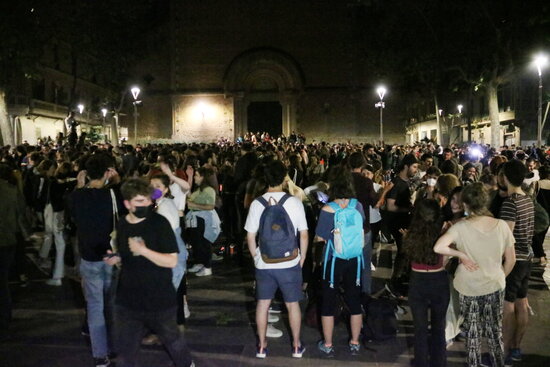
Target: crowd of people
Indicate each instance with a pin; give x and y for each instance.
(468, 222)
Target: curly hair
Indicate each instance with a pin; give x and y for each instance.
(424, 230)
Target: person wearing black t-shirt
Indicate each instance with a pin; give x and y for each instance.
(90, 207)
(399, 207)
(146, 298)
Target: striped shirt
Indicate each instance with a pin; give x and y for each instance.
(520, 210)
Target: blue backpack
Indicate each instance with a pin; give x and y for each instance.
(277, 237)
(349, 238)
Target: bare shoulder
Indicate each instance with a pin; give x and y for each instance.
(327, 209)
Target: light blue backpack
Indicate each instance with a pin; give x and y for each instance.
(349, 238)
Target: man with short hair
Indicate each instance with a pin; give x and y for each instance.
(286, 275)
(519, 213)
(146, 298)
(399, 206)
(91, 209)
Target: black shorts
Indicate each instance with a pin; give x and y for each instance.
(517, 282)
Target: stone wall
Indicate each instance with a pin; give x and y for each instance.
(202, 118)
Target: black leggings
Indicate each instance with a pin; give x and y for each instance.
(345, 276)
(537, 244)
(202, 248)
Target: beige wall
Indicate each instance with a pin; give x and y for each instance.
(202, 117)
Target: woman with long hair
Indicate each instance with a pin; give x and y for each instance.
(202, 222)
(481, 244)
(429, 284)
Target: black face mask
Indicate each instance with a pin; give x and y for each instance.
(142, 211)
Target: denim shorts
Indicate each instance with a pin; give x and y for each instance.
(289, 281)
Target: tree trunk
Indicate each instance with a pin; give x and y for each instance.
(492, 101)
(5, 125)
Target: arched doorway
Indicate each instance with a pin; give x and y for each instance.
(265, 117)
(264, 83)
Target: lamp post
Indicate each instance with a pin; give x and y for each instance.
(104, 113)
(135, 93)
(381, 92)
(540, 62)
(80, 108)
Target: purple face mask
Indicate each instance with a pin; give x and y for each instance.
(157, 194)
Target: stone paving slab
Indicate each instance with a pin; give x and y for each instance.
(221, 331)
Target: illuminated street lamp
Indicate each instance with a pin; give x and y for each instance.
(459, 108)
(80, 108)
(381, 92)
(135, 93)
(540, 62)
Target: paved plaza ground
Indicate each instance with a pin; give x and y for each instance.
(221, 331)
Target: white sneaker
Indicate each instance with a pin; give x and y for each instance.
(204, 272)
(186, 312)
(195, 268)
(273, 332)
(54, 282)
(272, 318)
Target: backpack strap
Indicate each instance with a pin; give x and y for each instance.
(262, 201)
(360, 264)
(283, 200)
(334, 206)
(352, 203)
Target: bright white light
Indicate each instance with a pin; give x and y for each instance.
(135, 92)
(381, 90)
(204, 110)
(440, 112)
(104, 112)
(540, 62)
(476, 152)
(80, 108)
(459, 108)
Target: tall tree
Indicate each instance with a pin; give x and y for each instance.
(435, 48)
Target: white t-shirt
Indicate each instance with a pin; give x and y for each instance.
(168, 210)
(179, 196)
(536, 177)
(297, 214)
(375, 216)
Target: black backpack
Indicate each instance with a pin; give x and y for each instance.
(381, 321)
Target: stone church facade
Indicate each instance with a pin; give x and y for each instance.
(299, 64)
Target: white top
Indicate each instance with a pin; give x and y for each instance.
(536, 177)
(179, 196)
(375, 216)
(297, 214)
(486, 248)
(168, 210)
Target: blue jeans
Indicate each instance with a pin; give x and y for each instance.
(181, 266)
(96, 281)
(366, 275)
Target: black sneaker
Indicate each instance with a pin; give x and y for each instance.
(102, 362)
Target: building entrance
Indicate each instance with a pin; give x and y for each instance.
(265, 116)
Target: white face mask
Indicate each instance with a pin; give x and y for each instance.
(431, 181)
